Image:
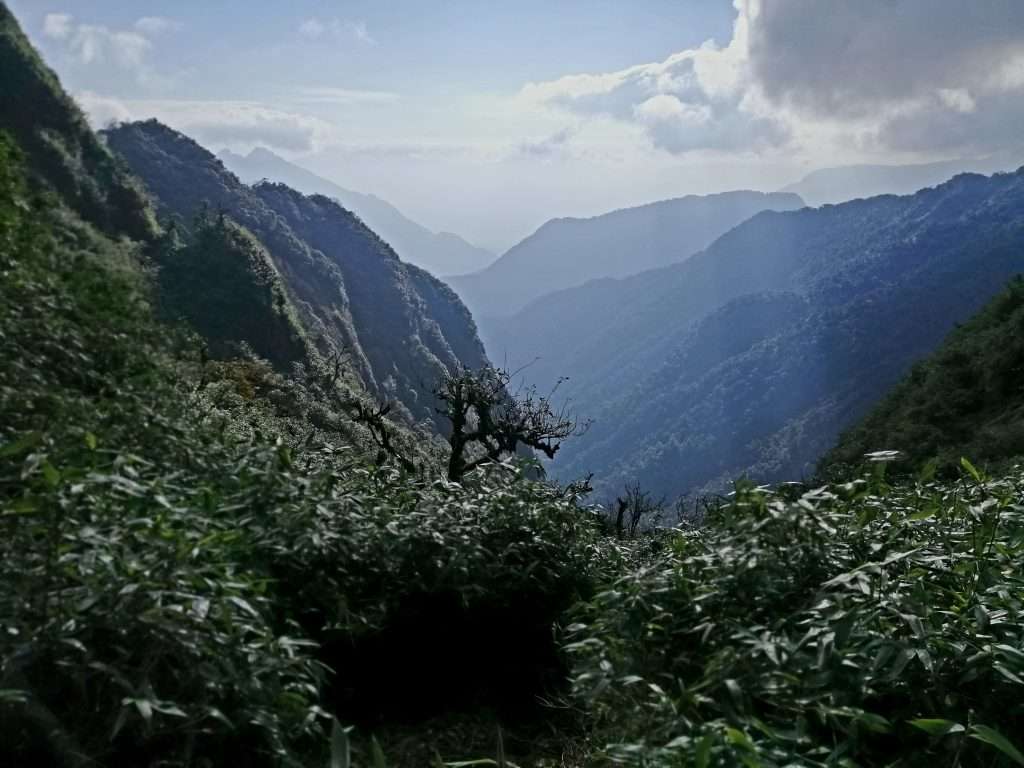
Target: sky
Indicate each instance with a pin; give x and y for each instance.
(487, 118)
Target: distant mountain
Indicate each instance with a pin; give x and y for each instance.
(569, 252)
(964, 400)
(838, 185)
(752, 356)
(441, 253)
(400, 326)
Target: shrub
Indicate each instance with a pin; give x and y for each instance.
(858, 625)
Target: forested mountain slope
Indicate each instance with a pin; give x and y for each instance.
(868, 287)
(964, 400)
(347, 285)
(441, 253)
(60, 150)
(569, 252)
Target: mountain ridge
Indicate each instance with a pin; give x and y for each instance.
(441, 253)
(347, 284)
(570, 251)
(861, 265)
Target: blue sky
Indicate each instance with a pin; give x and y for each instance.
(488, 118)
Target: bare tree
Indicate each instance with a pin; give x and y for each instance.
(639, 504)
(490, 423)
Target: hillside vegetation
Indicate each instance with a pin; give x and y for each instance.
(963, 400)
(209, 557)
(347, 287)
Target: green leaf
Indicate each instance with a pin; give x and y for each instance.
(702, 757)
(90, 441)
(51, 475)
(971, 469)
(994, 738)
(377, 754)
(341, 755)
(935, 726)
(22, 444)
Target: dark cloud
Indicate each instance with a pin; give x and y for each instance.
(850, 57)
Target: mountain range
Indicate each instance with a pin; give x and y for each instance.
(441, 253)
(400, 327)
(752, 356)
(567, 252)
(827, 186)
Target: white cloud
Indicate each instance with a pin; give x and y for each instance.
(695, 99)
(337, 29)
(239, 125)
(157, 25)
(57, 26)
(97, 44)
(910, 76)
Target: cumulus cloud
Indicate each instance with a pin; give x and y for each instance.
(923, 75)
(911, 75)
(337, 29)
(695, 99)
(239, 125)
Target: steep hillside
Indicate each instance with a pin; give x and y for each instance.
(346, 283)
(965, 400)
(59, 148)
(569, 252)
(879, 282)
(441, 253)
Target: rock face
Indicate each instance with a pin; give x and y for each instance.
(401, 327)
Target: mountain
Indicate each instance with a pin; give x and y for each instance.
(964, 400)
(61, 151)
(752, 356)
(569, 252)
(441, 253)
(837, 185)
(346, 284)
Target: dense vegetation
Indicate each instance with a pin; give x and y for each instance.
(179, 588)
(569, 252)
(751, 357)
(348, 289)
(858, 624)
(964, 400)
(211, 553)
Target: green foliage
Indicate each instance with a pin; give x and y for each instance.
(860, 624)
(401, 328)
(60, 149)
(224, 283)
(967, 399)
(167, 569)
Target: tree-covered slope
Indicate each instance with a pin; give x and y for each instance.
(347, 285)
(440, 253)
(964, 400)
(59, 148)
(881, 282)
(569, 252)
